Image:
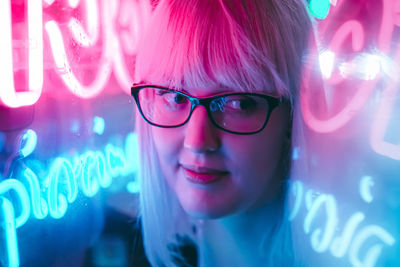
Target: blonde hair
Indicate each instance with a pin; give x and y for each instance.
(244, 45)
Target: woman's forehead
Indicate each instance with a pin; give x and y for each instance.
(205, 91)
(214, 87)
(211, 85)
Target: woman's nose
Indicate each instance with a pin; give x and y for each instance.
(201, 135)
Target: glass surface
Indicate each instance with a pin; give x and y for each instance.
(68, 188)
(68, 147)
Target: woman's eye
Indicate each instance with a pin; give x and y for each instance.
(241, 104)
(172, 97)
(179, 99)
(175, 98)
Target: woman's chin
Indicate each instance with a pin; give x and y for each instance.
(204, 215)
(206, 210)
(212, 200)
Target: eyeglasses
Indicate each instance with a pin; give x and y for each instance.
(237, 113)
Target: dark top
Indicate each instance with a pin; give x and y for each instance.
(183, 251)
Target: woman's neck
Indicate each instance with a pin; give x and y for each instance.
(237, 240)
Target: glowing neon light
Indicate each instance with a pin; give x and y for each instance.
(8, 94)
(309, 198)
(112, 56)
(114, 46)
(297, 191)
(85, 40)
(87, 172)
(19, 188)
(390, 18)
(318, 243)
(35, 47)
(133, 187)
(374, 252)
(48, 2)
(58, 204)
(132, 154)
(366, 183)
(8, 224)
(389, 67)
(295, 153)
(129, 37)
(38, 203)
(354, 29)
(73, 3)
(27, 143)
(326, 60)
(101, 170)
(320, 8)
(116, 160)
(134, 16)
(333, 2)
(365, 66)
(341, 244)
(351, 241)
(94, 173)
(391, 13)
(92, 21)
(121, 71)
(98, 125)
(372, 66)
(65, 70)
(381, 121)
(74, 128)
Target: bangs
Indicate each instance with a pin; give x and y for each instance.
(201, 44)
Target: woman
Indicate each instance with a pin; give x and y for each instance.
(216, 85)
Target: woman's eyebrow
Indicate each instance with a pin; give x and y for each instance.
(221, 89)
(213, 90)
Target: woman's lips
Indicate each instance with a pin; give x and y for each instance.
(202, 175)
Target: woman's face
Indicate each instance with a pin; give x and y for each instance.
(215, 173)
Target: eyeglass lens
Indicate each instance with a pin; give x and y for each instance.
(238, 112)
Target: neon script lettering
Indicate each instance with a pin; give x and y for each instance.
(362, 243)
(8, 93)
(372, 66)
(101, 19)
(66, 177)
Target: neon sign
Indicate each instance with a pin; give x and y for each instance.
(8, 95)
(101, 19)
(374, 68)
(355, 238)
(320, 8)
(85, 173)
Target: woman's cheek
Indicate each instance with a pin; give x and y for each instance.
(168, 144)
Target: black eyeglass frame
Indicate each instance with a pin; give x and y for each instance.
(273, 102)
